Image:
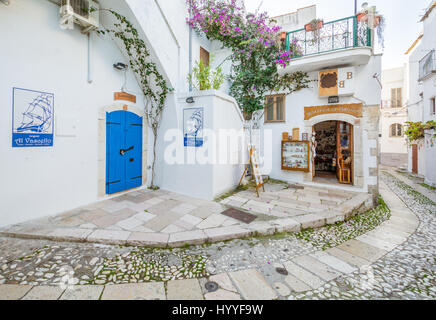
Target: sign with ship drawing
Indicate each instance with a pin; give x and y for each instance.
(32, 118)
(193, 127)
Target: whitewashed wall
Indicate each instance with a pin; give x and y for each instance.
(195, 178)
(36, 54)
(393, 149)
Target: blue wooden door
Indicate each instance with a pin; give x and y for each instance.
(123, 151)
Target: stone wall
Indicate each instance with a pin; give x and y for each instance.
(370, 126)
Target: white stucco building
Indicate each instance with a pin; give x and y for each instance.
(422, 95)
(338, 113)
(393, 146)
(73, 126)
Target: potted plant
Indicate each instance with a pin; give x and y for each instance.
(283, 36)
(374, 20)
(314, 25)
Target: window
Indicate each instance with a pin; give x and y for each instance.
(275, 108)
(396, 130)
(204, 56)
(396, 98)
(433, 106)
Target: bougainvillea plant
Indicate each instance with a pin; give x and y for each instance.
(257, 51)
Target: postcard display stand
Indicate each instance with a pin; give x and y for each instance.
(296, 155)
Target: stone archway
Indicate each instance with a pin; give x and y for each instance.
(358, 172)
(102, 142)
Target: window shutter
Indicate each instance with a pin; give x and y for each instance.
(204, 56)
(399, 98)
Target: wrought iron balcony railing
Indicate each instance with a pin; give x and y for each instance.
(336, 35)
(427, 65)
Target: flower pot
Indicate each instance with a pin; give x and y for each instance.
(362, 17)
(311, 27)
(283, 36)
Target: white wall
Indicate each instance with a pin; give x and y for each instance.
(296, 20)
(393, 149)
(195, 178)
(36, 54)
(420, 94)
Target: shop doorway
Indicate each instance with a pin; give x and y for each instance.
(333, 161)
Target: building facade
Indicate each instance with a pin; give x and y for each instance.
(393, 146)
(422, 96)
(328, 133)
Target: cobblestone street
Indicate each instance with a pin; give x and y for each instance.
(382, 254)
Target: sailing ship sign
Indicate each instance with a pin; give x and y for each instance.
(32, 118)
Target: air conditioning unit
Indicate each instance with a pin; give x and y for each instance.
(83, 12)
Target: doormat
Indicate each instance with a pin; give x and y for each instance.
(296, 186)
(239, 215)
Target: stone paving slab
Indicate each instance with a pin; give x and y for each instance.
(318, 268)
(165, 219)
(13, 292)
(252, 285)
(135, 291)
(363, 250)
(82, 293)
(44, 293)
(188, 289)
(333, 262)
(303, 275)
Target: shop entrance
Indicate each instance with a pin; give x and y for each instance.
(333, 161)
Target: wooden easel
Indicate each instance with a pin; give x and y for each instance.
(256, 171)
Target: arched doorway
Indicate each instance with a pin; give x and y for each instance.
(333, 160)
(124, 150)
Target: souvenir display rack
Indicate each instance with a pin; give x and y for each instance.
(295, 155)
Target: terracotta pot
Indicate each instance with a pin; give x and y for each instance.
(362, 17)
(283, 36)
(309, 27)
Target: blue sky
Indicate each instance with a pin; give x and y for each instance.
(402, 19)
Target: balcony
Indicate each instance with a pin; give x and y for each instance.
(427, 65)
(340, 42)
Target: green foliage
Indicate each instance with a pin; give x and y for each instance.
(152, 83)
(204, 78)
(416, 130)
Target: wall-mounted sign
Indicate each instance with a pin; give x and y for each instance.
(295, 155)
(354, 109)
(193, 127)
(32, 118)
(334, 99)
(124, 96)
(336, 82)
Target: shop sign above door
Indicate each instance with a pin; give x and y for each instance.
(336, 82)
(32, 118)
(124, 96)
(354, 109)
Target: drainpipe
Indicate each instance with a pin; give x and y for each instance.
(355, 7)
(90, 78)
(190, 46)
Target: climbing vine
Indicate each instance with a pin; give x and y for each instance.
(152, 83)
(257, 51)
(416, 130)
